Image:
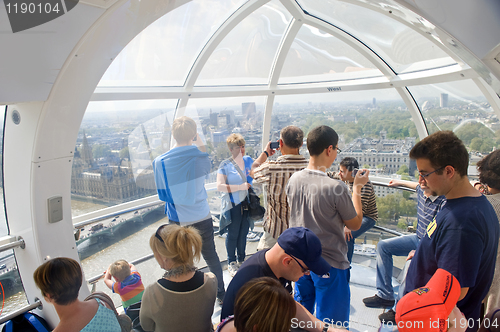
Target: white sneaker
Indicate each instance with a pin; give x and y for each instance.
(232, 268)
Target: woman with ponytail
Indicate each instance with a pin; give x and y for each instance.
(183, 300)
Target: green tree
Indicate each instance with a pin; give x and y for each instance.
(476, 143)
(101, 151)
(124, 153)
(403, 170)
(487, 145)
(402, 224)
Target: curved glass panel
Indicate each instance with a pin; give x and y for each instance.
(375, 127)
(11, 288)
(164, 52)
(246, 54)
(400, 46)
(460, 106)
(318, 56)
(117, 142)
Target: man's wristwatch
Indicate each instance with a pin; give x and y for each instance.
(325, 327)
(267, 154)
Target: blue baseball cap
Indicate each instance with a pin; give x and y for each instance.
(303, 244)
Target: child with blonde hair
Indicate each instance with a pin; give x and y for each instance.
(128, 282)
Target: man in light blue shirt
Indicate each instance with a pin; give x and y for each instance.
(180, 181)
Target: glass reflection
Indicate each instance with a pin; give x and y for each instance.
(460, 106)
(246, 54)
(113, 164)
(404, 49)
(164, 52)
(318, 56)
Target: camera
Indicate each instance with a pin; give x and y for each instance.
(275, 145)
(355, 171)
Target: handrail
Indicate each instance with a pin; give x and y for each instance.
(383, 184)
(93, 280)
(10, 315)
(114, 214)
(150, 201)
(388, 230)
(11, 242)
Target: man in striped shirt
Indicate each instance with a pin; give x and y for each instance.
(368, 201)
(275, 175)
(428, 206)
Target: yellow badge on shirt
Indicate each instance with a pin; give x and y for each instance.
(431, 227)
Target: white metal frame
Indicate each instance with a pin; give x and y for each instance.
(38, 152)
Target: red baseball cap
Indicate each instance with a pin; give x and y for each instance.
(427, 308)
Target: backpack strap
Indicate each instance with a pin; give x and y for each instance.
(104, 298)
(8, 326)
(33, 320)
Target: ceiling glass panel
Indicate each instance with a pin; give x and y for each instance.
(459, 106)
(246, 54)
(318, 56)
(164, 52)
(403, 48)
(375, 126)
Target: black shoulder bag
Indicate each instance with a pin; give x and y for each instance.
(255, 210)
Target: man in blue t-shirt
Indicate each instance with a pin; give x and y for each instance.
(463, 237)
(427, 208)
(180, 181)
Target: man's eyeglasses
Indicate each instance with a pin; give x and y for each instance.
(338, 150)
(304, 270)
(423, 176)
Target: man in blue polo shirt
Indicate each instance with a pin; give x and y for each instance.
(463, 237)
(180, 181)
(428, 205)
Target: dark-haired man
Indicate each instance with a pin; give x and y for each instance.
(275, 175)
(368, 201)
(427, 208)
(324, 205)
(463, 237)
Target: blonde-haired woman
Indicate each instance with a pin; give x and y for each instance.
(233, 178)
(183, 300)
(262, 305)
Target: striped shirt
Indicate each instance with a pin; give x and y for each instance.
(368, 199)
(427, 208)
(276, 174)
(130, 289)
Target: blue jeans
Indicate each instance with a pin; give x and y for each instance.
(330, 294)
(236, 239)
(397, 246)
(366, 224)
(209, 253)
